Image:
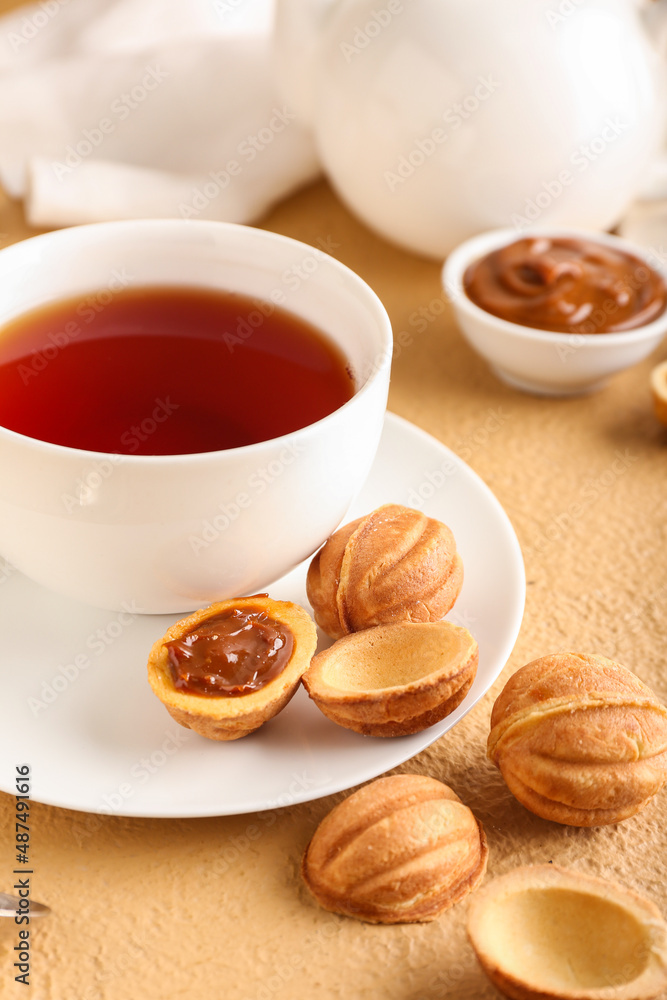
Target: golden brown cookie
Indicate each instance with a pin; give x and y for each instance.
(396, 564)
(394, 679)
(579, 739)
(546, 933)
(227, 716)
(400, 850)
(659, 391)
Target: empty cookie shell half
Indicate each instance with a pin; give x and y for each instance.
(394, 680)
(546, 932)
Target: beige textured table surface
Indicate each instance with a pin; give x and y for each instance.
(150, 908)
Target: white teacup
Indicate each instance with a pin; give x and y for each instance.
(172, 533)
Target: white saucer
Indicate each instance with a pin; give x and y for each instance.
(79, 711)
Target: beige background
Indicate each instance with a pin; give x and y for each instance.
(207, 908)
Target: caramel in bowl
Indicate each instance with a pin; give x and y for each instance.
(579, 357)
(394, 680)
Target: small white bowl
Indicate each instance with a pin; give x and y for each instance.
(540, 361)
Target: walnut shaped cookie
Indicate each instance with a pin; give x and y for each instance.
(394, 565)
(402, 849)
(579, 739)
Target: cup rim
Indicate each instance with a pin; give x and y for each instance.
(376, 307)
(477, 246)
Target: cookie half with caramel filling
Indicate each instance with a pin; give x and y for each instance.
(225, 670)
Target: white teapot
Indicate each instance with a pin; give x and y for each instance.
(436, 119)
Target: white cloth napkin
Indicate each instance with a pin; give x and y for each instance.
(114, 109)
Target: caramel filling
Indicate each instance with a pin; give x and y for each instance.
(233, 653)
(566, 286)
